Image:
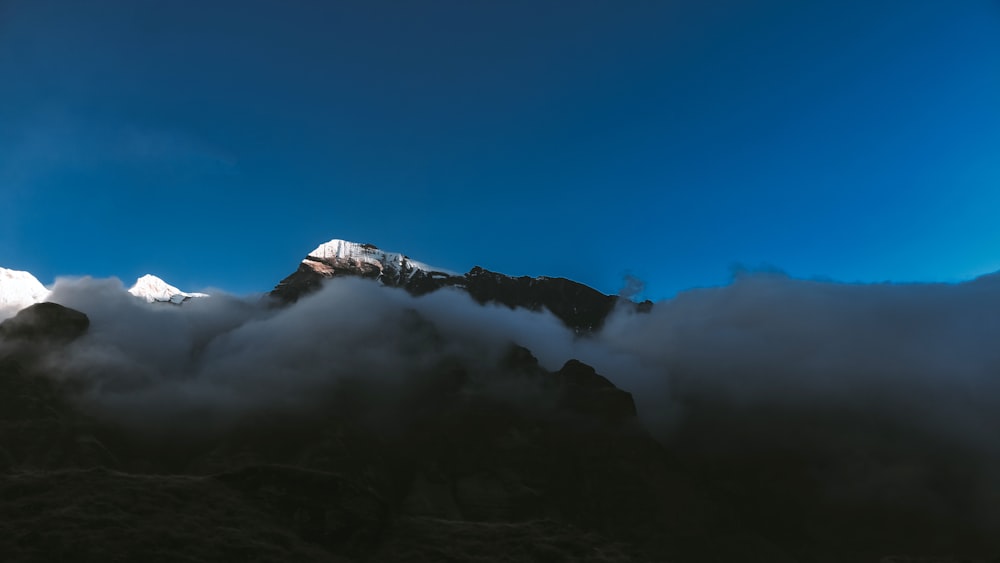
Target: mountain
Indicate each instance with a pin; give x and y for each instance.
(154, 289)
(344, 258)
(19, 289)
(578, 306)
(488, 458)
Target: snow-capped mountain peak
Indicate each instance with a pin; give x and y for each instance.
(154, 289)
(339, 253)
(581, 308)
(19, 290)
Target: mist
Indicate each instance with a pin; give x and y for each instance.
(878, 390)
(214, 360)
(878, 394)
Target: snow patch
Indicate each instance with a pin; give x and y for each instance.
(154, 289)
(19, 290)
(356, 254)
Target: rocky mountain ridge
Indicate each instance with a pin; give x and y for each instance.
(458, 458)
(578, 306)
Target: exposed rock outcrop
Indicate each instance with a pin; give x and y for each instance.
(45, 322)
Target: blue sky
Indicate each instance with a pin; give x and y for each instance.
(214, 143)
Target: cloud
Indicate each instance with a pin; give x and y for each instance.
(880, 391)
(766, 340)
(631, 287)
(152, 363)
(769, 339)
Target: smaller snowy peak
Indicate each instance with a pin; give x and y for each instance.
(340, 253)
(153, 289)
(20, 289)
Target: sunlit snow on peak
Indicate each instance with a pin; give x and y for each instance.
(19, 290)
(154, 289)
(357, 253)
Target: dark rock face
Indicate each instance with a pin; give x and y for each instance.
(592, 394)
(45, 322)
(578, 306)
(577, 387)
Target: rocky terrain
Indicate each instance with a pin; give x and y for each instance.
(578, 306)
(493, 461)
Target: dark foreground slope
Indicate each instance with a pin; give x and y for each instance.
(509, 462)
(497, 478)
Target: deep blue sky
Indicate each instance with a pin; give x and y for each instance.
(214, 143)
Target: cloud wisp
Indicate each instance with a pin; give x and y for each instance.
(880, 388)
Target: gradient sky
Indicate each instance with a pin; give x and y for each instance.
(215, 143)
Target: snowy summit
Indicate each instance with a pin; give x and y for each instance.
(153, 289)
(341, 253)
(19, 290)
